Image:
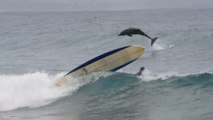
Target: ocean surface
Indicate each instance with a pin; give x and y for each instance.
(37, 48)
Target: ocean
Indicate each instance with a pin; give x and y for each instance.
(37, 48)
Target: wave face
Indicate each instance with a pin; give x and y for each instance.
(109, 96)
(124, 96)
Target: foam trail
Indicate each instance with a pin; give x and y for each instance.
(148, 76)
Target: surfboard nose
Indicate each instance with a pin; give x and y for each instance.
(139, 50)
(139, 47)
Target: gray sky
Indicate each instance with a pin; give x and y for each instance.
(79, 5)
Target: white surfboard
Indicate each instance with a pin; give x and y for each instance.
(109, 61)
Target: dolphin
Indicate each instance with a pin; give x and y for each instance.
(136, 31)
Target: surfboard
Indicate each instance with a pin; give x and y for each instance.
(109, 61)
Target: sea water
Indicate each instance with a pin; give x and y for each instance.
(37, 48)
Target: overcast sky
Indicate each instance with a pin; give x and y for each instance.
(79, 5)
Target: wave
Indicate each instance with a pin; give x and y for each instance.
(38, 89)
(204, 80)
(121, 81)
(30, 90)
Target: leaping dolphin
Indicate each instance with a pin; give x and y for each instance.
(136, 31)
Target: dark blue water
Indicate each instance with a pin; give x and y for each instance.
(38, 48)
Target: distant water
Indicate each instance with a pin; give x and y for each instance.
(38, 48)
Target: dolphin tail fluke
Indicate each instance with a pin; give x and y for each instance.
(153, 40)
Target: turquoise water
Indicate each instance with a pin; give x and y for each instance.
(38, 48)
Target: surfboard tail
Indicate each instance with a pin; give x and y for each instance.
(153, 40)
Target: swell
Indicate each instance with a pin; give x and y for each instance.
(113, 83)
(117, 87)
(203, 79)
(129, 95)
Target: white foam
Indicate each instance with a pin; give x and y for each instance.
(37, 89)
(157, 47)
(28, 90)
(89, 78)
(171, 45)
(149, 76)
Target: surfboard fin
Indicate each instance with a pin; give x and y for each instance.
(153, 40)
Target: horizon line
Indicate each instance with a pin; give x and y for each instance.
(113, 10)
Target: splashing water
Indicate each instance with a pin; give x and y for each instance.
(157, 47)
(149, 76)
(28, 90)
(37, 89)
